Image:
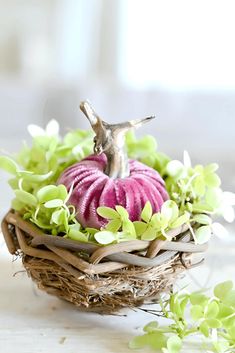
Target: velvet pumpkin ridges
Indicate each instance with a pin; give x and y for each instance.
(137, 167)
(93, 188)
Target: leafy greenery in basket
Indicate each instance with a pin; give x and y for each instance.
(195, 193)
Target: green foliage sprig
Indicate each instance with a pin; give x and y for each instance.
(211, 317)
(197, 189)
(48, 209)
(41, 164)
(145, 150)
(150, 227)
(156, 225)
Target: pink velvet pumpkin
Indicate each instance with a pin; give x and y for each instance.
(93, 188)
(109, 178)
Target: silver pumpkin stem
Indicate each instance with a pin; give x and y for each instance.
(110, 139)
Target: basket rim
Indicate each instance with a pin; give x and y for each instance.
(101, 258)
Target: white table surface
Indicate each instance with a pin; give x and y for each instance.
(33, 322)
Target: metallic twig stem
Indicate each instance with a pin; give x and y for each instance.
(110, 139)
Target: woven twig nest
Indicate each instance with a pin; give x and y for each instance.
(97, 278)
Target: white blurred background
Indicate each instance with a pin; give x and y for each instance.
(131, 58)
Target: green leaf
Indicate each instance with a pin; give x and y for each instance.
(203, 234)
(202, 219)
(62, 192)
(204, 328)
(196, 312)
(170, 210)
(138, 342)
(223, 289)
(197, 298)
(151, 326)
(29, 176)
(199, 185)
(14, 183)
(17, 205)
(91, 231)
(54, 203)
(149, 234)
(183, 304)
(146, 214)
(210, 168)
(174, 344)
(105, 237)
(230, 298)
(181, 220)
(122, 212)
(202, 207)
(228, 322)
(212, 310)
(161, 161)
(149, 160)
(140, 227)
(75, 233)
(58, 217)
(25, 197)
(113, 225)
(8, 165)
(43, 225)
(47, 193)
(129, 228)
(175, 168)
(155, 340)
(198, 169)
(142, 148)
(164, 223)
(213, 323)
(224, 311)
(212, 180)
(175, 306)
(214, 197)
(107, 212)
(155, 221)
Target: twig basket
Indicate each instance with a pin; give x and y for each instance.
(100, 278)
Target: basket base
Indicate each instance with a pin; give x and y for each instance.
(106, 293)
(94, 283)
